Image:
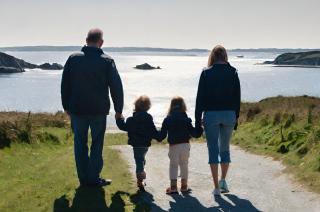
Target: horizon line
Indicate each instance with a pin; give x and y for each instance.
(151, 47)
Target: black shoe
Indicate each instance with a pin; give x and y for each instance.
(101, 182)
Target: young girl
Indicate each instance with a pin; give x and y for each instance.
(179, 128)
(141, 130)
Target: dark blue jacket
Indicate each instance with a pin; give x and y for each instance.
(86, 80)
(141, 129)
(178, 127)
(219, 89)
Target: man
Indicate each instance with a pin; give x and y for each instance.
(86, 80)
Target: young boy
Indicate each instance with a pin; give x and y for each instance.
(141, 130)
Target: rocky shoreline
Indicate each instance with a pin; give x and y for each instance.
(10, 64)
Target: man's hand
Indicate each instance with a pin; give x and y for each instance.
(236, 125)
(119, 116)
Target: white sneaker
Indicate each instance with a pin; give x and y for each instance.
(216, 192)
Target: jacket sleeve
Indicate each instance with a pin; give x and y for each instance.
(164, 130)
(122, 125)
(116, 89)
(200, 100)
(194, 132)
(237, 95)
(65, 86)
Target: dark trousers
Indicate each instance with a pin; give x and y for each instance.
(139, 154)
(88, 165)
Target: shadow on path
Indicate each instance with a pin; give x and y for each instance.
(185, 203)
(85, 199)
(93, 199)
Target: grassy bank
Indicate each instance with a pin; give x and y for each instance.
(287, 129)
(38, 170)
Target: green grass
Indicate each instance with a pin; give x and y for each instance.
(42, 177)
(288, 129)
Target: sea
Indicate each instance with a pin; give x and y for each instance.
(39, 90)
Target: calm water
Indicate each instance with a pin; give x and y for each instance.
(38, 90)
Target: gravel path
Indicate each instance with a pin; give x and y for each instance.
(257, 183)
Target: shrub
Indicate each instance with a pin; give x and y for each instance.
(277, 118)
(303, 150)
(283, 149)
(264, 122)
(252, 112)
(289, 121)
(45, 137)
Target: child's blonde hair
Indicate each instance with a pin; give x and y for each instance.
(177, 104)
(142, 104)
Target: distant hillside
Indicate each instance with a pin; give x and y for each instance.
(108, 49)
(144, 49)
(310, 58)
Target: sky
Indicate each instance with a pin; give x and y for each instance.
(163, 23)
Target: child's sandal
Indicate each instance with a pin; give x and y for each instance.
(170, 191)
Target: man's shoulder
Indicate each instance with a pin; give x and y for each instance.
(108, 58)
(76, 54)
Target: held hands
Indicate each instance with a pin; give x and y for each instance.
(118, 116)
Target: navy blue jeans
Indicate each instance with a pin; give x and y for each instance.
(88, 165)
(140, 158)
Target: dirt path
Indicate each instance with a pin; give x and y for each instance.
(257, 183)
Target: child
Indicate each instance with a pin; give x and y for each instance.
(141, 130)
(179, 128)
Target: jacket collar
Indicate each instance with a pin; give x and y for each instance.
(92, 50)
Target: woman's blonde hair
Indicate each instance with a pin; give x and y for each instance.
(218, 54)
(142, 104)
(177, 104)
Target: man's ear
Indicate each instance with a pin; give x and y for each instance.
(101, 43)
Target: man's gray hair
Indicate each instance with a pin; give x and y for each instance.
(94, 35)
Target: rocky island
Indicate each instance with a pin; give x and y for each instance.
(146, 66)
(10, 64)
(299, 59)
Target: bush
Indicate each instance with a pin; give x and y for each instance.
(252, 112)
(303, 150)
(276, 119)
(289, 121)
(47, 137)
(283, 149)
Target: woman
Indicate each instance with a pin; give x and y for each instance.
(218, 98)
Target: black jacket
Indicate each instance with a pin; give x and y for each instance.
(178, 127)
(86, 80)
(141, 129)
(219, 89)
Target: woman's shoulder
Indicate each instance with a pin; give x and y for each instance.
(233, 69)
